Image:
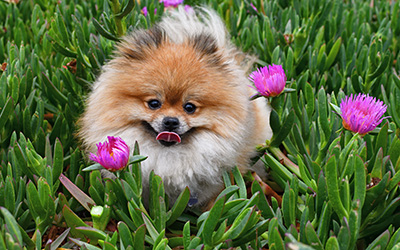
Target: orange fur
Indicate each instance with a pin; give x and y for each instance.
(201, 69)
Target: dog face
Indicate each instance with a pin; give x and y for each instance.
(171, 90)
(181, 91)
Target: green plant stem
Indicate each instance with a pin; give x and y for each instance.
(116, 8)
(34, 236)
(284, 160)
(321, 153)
(100, 216)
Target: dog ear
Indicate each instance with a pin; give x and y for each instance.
(136, 45)
(206, 45)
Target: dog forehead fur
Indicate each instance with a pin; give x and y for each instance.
(185, 58)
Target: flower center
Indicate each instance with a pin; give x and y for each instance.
(363, 112)
(345, 125)
(111, 152)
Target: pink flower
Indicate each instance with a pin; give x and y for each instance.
(113, 154)
(169, 3)
(189, 9)
(254, 7)
(144, 10)
(361, 113)
(269, 81)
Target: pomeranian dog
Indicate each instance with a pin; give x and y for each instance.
(181, 90)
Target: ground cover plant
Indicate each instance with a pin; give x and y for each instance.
(328, 187)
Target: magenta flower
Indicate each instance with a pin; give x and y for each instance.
(169, 3)
(361, 113)
(189, 9)
(269, 81)
(144, 11)
(254, 7)
(113, 154)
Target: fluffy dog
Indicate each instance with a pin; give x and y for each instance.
(181, 90)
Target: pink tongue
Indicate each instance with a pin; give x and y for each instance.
(169, 137)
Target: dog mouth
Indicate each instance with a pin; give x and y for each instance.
(168, 138)
(165, 138)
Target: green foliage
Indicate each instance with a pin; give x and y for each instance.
(338, 190)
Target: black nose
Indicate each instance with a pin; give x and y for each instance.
(170, 123)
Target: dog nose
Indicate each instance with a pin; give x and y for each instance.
(170, 123)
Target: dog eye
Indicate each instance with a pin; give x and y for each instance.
(154, 104)
(189, 108)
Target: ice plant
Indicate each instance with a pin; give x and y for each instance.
(269, 81)
(113, 154)
(361, 113)
(145, 11)
(169, 3)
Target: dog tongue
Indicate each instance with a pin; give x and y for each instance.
(168, 136)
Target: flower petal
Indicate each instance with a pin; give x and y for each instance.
(112, 154)
(362, 113)
(269, 81)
